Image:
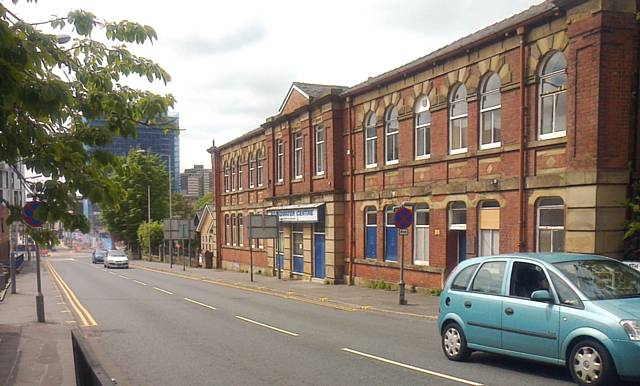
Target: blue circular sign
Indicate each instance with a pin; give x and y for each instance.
(28, 213)
(403, 217)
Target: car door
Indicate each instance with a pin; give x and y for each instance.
(528, 326)
(482, 305)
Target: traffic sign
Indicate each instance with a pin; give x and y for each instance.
(403, 217)
(28, 213)
(403, 232)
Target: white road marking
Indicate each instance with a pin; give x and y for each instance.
(267, 326)
(139, 282)
(124, 277)
(410, 367)
(111, 273)
(161, 290)
(200, 304)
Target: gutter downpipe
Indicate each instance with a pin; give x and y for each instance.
(522, 180)
(351, 193)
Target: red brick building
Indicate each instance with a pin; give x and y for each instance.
(519, 137)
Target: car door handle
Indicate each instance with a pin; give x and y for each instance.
(467, 304)
(508, 311)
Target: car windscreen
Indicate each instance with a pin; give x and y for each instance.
(602, 279)
(118, 253)
(101, 253)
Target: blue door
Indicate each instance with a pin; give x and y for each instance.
(462, 245)
(298, 264)
(318, 256)
(391, 244)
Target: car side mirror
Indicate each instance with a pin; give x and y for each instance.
(541, 296)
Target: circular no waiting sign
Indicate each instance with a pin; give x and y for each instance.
(28, 213)
(403, 217)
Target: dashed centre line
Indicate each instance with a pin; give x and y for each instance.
(139, 282)
(161, 290)
(414, 368)
(200, 304)
(267, 326)
(124, 277)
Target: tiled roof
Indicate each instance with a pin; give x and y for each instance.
(318, 90)
(494, 29)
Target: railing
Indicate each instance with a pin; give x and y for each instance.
(88, 371)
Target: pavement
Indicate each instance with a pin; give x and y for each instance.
(419, 304)
(33, 353)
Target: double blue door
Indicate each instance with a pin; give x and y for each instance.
(318, 256)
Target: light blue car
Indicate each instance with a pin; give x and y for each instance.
(579, 311)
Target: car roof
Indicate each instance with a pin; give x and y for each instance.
(549, 258)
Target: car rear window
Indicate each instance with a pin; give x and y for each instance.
(461, 281)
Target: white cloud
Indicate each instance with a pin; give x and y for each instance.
(232, 62)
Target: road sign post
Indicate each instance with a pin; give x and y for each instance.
(403, 219)
(28, 214)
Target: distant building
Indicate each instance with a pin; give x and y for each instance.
(195, 182)
(155, 140)
(12, 193)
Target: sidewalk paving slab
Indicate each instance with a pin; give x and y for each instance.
(351, 298)
(33, 353)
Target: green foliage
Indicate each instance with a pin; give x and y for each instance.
(181, 207)
(380, 284)
(134, 173)
(204, 200)
(50, 91)
(434, 291)
(157, 234)
(633, 226)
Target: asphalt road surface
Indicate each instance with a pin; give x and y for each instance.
(156, 329)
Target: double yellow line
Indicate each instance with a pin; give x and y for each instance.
(84, 315)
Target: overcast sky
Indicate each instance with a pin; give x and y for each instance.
(232, 62)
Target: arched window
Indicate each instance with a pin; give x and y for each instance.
(421, 234)
(489, 228)
(490, 112)
(259, 161)
(390, 234)
(239, 162)
(371, 141)
(422, 123)
(371, 235)
(550, 225)
(458, 216)
(226, 176)
(552, 101)
(252, 166)
(391, 136)
(458, 120)
(233, 175)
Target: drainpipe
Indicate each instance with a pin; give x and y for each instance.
(352, 240)
(522, 170)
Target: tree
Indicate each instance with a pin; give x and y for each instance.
(50, 92)
(157, 234)
(181, 206)
(202, 201)
(135, 174)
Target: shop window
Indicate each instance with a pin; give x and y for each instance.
(458, 120)
(371, 237)
(421, 235)
(320, 150)
(490, 112)
(552, 97)
(489, 228)
(422, 123)
(391, 235)
(550, 224)
(371, 141)
(458, 216)
(391, 136)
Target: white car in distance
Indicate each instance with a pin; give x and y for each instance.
(116, 258)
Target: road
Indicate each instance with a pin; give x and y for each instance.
(156, 329)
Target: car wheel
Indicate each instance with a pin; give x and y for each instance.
(590, 364)
(454, 343)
